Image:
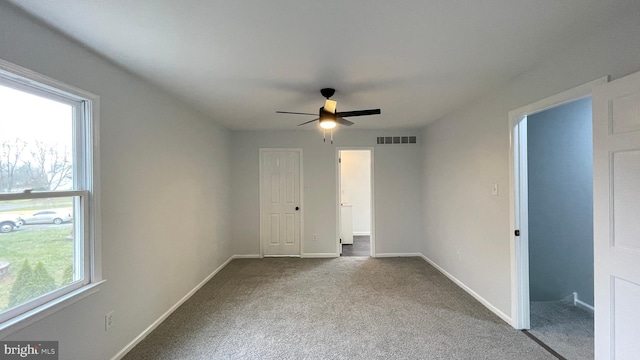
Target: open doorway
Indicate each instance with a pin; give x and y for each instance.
(560, 179)
(552, 223)
(355, 202)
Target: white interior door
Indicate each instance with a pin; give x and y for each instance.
(616, 152)
(280, 198)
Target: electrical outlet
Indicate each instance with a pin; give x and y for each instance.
(315, 237)
(459, 256)
(108, 321)
(495, 191)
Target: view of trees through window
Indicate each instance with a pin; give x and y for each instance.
(35, 142)
(36, 165)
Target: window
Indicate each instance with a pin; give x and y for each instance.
(48, 198)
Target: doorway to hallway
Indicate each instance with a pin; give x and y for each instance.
(355, 202)
(552, 205)
(560, 227)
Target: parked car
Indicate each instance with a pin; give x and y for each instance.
(55, 216)
(9, 222)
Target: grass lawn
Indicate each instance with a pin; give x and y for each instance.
(49, 246)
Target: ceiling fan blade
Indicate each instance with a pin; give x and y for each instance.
(330, 106)
(304, 123)
(358, 113)
(295, 113)
(344, 122)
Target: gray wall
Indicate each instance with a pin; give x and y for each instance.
(396, 181)
(165, 185)
(560, 164)
(468, 150)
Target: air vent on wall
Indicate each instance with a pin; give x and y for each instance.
(397, 140)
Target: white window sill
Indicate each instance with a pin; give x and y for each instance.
(30, 317)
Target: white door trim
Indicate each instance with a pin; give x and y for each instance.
(518, 203)
(372, 197)
(301, 181)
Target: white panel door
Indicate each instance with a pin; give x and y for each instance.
(616, 182)
(280, 192)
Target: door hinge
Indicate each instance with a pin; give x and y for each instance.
(517, 232)
(339, 160)
(340, 241)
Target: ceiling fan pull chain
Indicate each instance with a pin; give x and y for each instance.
(332, 136)
(324, 135)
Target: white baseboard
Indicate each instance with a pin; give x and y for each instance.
(464, 287)
(246, 256)
(383, 255)
(581, 304)
(585, 306)
(164, 316)
(320, 255)
(362, 233)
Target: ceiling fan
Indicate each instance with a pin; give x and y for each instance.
(328, 117)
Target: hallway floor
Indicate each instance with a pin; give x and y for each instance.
(361, 247)
(563, 327)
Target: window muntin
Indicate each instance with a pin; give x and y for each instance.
(49, 182)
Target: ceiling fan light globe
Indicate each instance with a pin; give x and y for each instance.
(327, 124)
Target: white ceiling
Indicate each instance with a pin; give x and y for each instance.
(240, 61)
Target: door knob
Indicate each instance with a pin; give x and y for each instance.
(297, 208)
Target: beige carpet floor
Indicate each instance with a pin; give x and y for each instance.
(343, 308)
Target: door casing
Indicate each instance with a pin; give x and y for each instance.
(338, 187)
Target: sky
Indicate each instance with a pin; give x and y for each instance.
(30, 118)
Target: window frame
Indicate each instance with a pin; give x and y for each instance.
(86, 191)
